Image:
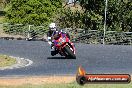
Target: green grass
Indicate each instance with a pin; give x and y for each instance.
(72, 85)
(6, 61)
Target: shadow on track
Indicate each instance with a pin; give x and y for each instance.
(58, 58)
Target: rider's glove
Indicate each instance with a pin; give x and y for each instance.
(50, 42)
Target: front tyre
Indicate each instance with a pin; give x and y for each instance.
(69, 52)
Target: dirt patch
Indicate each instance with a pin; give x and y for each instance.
(37, 80)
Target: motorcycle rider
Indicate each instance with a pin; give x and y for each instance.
(52, 33)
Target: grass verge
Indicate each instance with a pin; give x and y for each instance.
(6, 61)
(71, 85)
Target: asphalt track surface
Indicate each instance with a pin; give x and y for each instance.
(93, 58)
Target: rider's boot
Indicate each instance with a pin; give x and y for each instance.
(53, 51)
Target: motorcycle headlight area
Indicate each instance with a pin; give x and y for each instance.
(61, 40)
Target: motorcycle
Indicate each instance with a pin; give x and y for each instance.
(64, 46)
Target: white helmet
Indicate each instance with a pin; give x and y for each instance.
(52, 26)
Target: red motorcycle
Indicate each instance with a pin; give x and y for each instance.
(64, 46)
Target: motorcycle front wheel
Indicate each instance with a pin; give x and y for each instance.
(69, 52)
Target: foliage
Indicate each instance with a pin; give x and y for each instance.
(34, 12)
(70, 19)
(119, 15)
(91, 18)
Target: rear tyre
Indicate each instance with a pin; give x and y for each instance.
(69, 52)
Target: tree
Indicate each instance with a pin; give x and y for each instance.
(35, 12)
(93, 10)
(119, 15)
